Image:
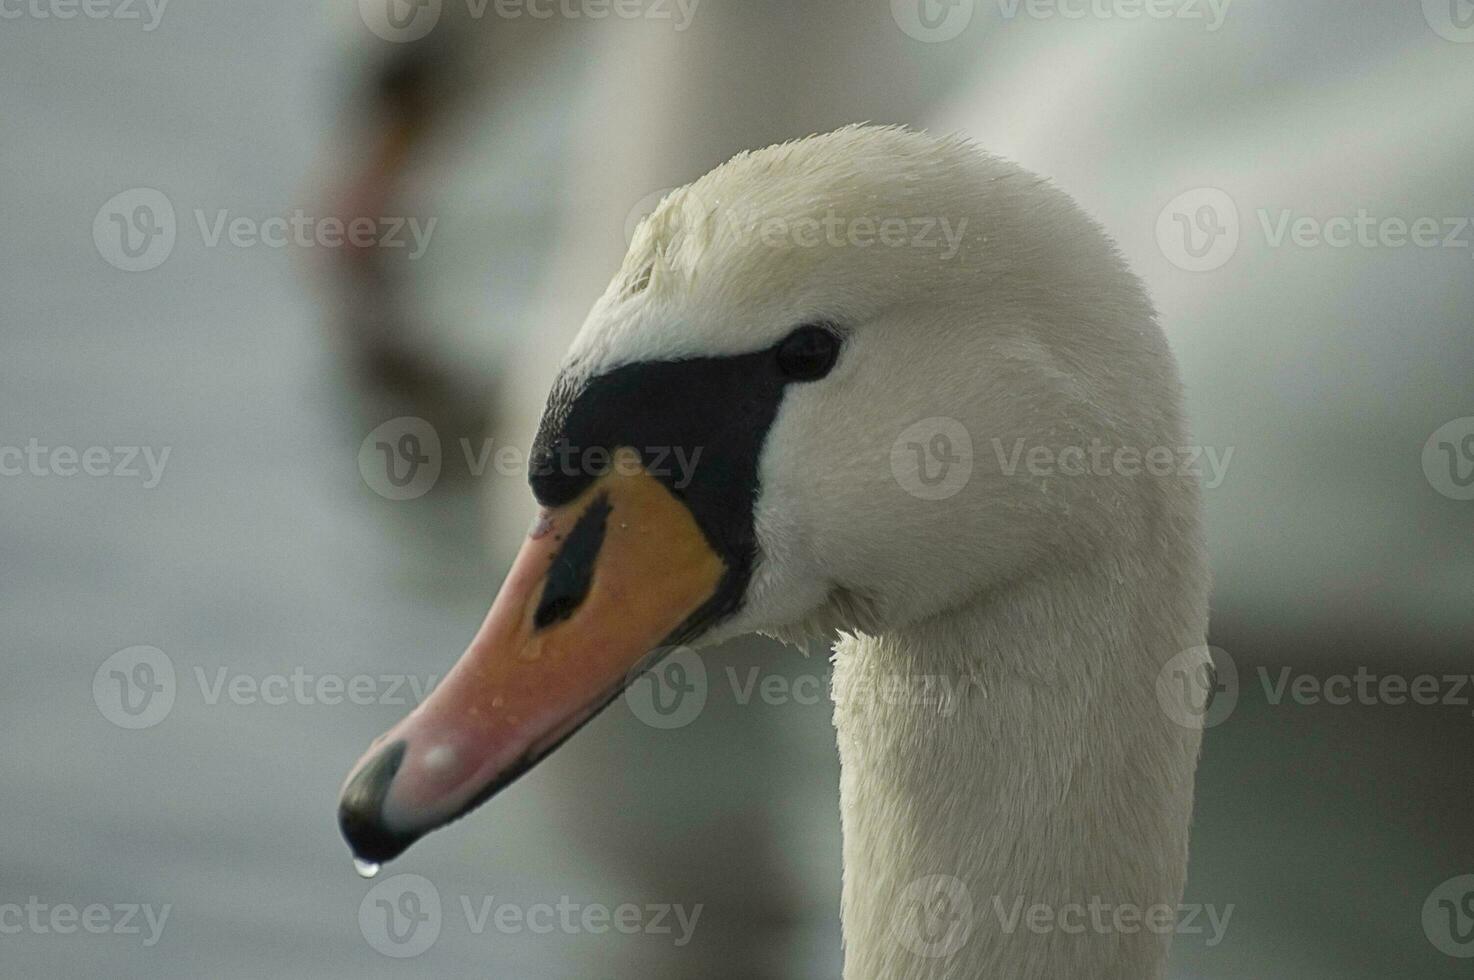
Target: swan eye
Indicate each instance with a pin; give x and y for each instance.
(808, 353)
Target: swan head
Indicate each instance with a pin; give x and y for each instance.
(812, 399)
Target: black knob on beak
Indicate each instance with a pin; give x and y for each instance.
(361, 808)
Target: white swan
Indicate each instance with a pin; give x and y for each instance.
(798, 318)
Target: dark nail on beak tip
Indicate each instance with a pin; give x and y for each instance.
(361, 808)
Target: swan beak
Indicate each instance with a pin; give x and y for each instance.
(600, 583)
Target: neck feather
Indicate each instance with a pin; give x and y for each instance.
(1009, 776)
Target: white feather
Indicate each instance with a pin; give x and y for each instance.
(1046, 604)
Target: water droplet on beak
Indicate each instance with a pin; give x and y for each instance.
(365, 869)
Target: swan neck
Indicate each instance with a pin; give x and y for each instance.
(1009, 764)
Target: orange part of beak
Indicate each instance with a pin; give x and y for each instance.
(598, 585)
